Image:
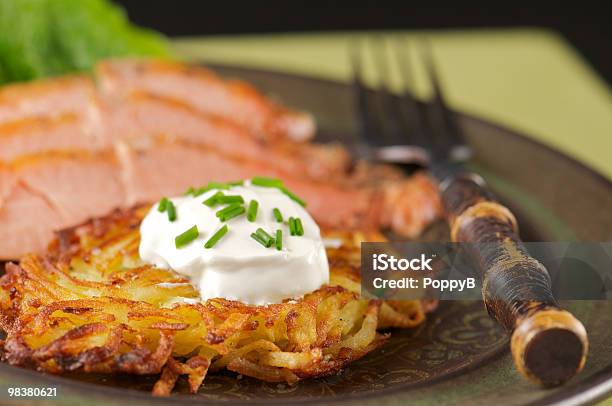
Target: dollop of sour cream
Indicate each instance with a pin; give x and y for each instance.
(238, 267)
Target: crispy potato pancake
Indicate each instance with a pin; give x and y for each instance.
(91, 305)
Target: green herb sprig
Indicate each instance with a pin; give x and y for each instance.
(163, 205)
(186, 237)
(171, 210)
(277, 215)
(277, 183)
(279, 240)
(216, 237)
(252, 210)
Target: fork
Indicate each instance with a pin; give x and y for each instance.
(548, 344)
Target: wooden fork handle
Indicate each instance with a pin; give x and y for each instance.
(549, 345)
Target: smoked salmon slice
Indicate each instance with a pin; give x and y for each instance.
(205, 91)
(144, 114)
(48, 133)
(71, 113)
(45, 193)
(28, 223)
(50, 98)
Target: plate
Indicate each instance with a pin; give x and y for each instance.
(459, 355)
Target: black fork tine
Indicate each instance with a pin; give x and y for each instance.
(394, 133)
(449, 139)
(368, 119)
(413, 117)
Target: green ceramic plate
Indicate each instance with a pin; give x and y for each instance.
(459, 355)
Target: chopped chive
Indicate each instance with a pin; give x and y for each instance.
(299, 229)
(260, 240)
(237, 211)
(279, 240)
(277, 183)
(227, 209)
(163, 205)
(189, 191)
(199, 191)
(277, 215)
(292, 226)
(216, 237)
(265, 236)
(185, 238)
(293, 196)
(171, 211)
(230, 199)
(217, 185)
(212, 201)
(266, 182)
(252, 211)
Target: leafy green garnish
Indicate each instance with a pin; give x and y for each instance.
(40, 38)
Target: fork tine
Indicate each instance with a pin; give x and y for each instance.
(410, 105)
(395, 134)
(450, 138)
(369, 124)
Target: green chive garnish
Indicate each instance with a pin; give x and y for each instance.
(299, 229)
(291, 223)
(185, 238)
(171, 210)
(236, 183)
(217, 185)
(199, 191)
(279, 240)
(265, 239)
(227, 209)
(265, 236)
(260, 240)
(277, 215)
(230, 199)
(216, 237)
(293, 196)
(277, 183)
(235, 212)
(163, 205)
(266, 182)
(252, 211)
(189, 191)
(212, 201)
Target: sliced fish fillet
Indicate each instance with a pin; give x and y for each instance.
(206, 92)
(144, 114)
(46, 133)
(51, 98)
